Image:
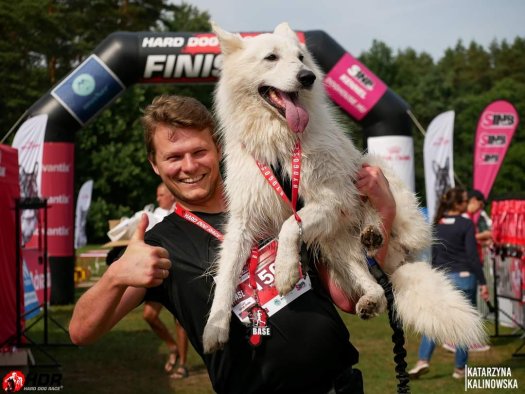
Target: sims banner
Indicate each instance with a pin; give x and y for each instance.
(496, 127)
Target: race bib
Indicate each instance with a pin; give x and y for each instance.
(269, 298)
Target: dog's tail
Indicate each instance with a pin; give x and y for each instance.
(428, 303)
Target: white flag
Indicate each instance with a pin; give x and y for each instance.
(29, 140)
(438, 159)
(83, 204)
(398, 152)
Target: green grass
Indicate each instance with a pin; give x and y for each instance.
(372, 338)
(130, 359)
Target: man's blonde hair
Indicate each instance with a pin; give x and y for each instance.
(174, 112)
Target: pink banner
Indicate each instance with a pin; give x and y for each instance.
(496, 127)
(10, 190)
(353, 86)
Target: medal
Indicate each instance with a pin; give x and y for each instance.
(259, 325)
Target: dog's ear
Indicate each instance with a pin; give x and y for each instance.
(284, 30)
(230, 42)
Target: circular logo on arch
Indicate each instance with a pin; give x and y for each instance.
(83, 85)
(14, 381)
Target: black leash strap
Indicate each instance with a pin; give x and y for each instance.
(398, 337)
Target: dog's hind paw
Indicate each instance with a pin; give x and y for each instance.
(371, 239)
(216, 334)
(368, 307)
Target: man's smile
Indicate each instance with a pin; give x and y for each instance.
(190, 181)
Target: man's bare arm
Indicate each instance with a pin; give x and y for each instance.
(371, 182)
(120, 289)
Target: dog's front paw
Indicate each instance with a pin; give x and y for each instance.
(287, 266)
(216, 332)
(371, 239)
(369, 306)
(286, 278)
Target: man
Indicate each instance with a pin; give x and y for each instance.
(476, 211)
(309, 350)
(178, 350)
(476, 204)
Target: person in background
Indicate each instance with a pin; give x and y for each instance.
(476, 203)
(455, 251)
(178, 350)
(165, 201)
(476, 210)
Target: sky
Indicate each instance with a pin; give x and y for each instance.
(431, 26)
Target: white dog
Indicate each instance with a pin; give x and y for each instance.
(268, 97)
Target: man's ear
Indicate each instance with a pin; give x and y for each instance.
(154, 166)
(230, 42)
(284, 30)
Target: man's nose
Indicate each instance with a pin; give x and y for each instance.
(188, 163)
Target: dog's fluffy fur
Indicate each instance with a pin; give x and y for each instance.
(255, 73)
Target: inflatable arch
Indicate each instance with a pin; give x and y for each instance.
(124, 59)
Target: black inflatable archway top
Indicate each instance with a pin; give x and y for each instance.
(188, 58)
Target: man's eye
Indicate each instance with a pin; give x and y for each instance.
(271, 57)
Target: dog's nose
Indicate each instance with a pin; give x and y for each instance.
(306, 77)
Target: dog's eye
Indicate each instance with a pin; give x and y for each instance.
(301, 57)
(271, 57)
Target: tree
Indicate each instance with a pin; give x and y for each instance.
(466, 80)
(380, 60)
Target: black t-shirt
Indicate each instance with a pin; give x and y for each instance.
(455, 247)
(309, 345)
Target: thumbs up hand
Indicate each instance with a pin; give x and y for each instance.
(141, 265)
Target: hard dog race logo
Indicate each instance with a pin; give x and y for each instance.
(14, 381)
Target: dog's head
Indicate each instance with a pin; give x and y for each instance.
(273, 70)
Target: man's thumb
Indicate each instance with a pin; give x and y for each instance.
(138, 235)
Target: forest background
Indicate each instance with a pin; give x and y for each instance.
(41, 41)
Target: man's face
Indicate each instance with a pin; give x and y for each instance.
(474, 205)
(165, 199)
(187, 160)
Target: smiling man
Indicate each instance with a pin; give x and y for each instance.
(171, 262)
(183, 152)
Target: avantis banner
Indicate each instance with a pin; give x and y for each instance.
(438, 159)
(496, 126)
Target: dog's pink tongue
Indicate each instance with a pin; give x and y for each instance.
(296, 114)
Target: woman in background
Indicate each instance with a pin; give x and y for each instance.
(454, 251)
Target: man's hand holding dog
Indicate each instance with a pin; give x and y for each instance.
(373, 185)
(141, 265)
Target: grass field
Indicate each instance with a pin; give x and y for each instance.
(130, 359)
